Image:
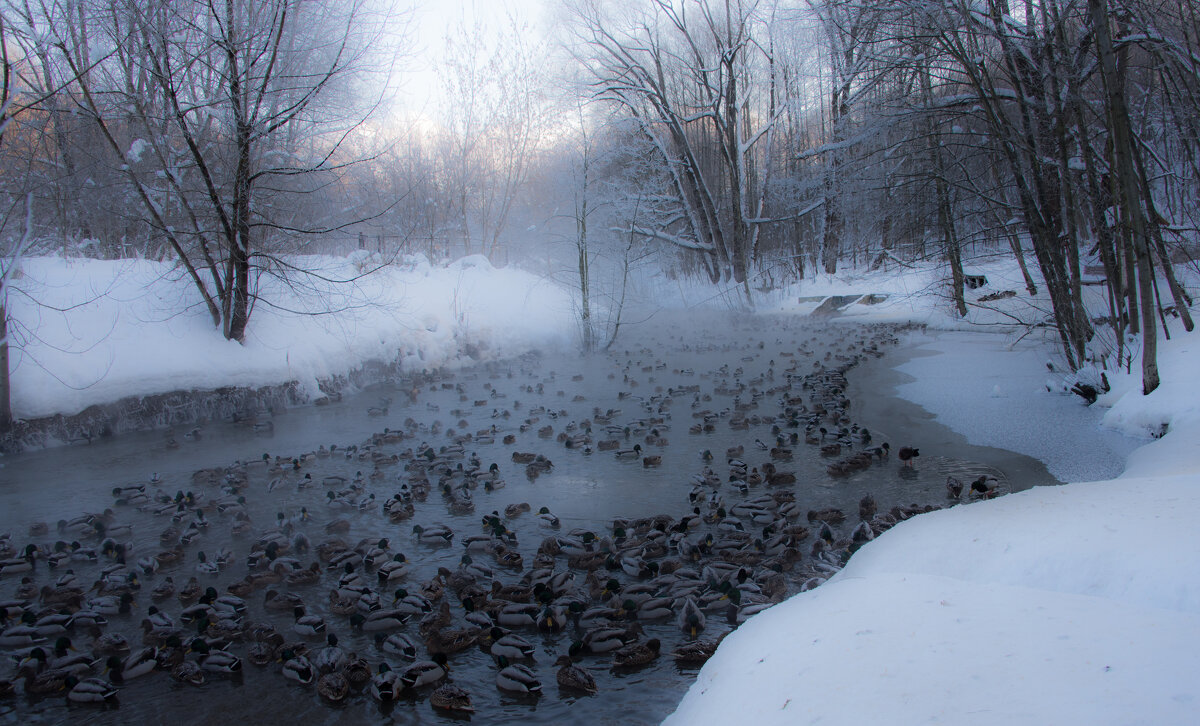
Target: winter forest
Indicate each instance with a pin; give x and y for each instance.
(747, 143)
(594, 323)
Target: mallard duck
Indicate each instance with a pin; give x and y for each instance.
(510, 646)
(548, 519)
(452, 640)
(163, 590)
(330, 658)
(191, 591)
(307, 576)
(450, 697)
(573, 677)
(636, 654)
(189, 672)
(907, 454)
(64, 658)
(333, 687)
(357, 670)
(437, 534)
(954, 488)
(381, 620)
(633, 453)
(89, 690)
(691, 618)
(695, 653)
(424, 672)
(385, 685)
(215, 659)
(110, 644)
(517, 678)
(282, 601)
(514, 510)
(261, 653)
(397, 644)
(297, 668)
(133, 666)
(518, 615)
(393, 569)
(42, 683)
(111, 604)
(309, 626)
(27, 590)
(605, 639)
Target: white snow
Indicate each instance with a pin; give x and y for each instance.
(1009, 406)
(1076, 604)
(1072, 604)
(91, 332)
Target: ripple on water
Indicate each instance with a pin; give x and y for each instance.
(734, 360)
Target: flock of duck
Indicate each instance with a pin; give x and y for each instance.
(355, 590)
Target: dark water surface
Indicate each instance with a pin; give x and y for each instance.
(751, 363)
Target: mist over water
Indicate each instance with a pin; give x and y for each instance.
(677, 367)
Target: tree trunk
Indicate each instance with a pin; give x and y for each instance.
(1130, 197)
(6, 418)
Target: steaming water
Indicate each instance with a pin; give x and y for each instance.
(719, 355)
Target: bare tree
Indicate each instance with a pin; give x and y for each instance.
(497, 113)
(215, 113)
(690, 75)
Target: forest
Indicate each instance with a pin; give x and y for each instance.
(750, 143)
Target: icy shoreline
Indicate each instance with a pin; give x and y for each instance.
(1065, 604)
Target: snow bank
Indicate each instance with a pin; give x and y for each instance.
(1072, 604)
(94, 331)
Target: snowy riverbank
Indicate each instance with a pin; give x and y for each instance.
(90, 332)
(1072, 604)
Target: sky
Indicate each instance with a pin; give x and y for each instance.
(432, 20)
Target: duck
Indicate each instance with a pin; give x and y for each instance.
(517, 678)
(449, 697)
(393, 569)
(215, 659)
(637, 654)
(437, 534)
(385, 684)
(297, 668)
(333, 687)
(307, 625)
(282, 601)
(867, 507)
(509, 645)
(397, 644)
(696, 652)
(512, 511)
(191, 591)
(604, 639)
(548, 519)
(425, 672)
(633, 453)
(691, 618)
(573, 677)
(135, 665)
(41, 683)
(906, 455)
(954, 488)
(189, 672)
(330, 658)
(89, 690)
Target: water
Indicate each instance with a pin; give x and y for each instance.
(734, 362)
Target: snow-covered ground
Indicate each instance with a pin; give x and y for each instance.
(1072, 604)
(90, 332)
(1061, 605)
